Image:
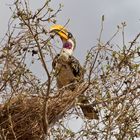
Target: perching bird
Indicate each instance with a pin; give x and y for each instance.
(68, 69)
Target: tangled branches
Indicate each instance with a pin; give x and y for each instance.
(31, 109)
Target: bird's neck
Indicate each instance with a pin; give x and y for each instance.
(66, 53)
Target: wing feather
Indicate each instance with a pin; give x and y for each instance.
(77, 69)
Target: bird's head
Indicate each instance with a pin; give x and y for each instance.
(67, 38)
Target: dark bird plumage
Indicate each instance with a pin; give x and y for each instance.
(68, 70)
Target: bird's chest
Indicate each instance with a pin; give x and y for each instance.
(64, 74)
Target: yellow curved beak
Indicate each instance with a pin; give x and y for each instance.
(60, 30)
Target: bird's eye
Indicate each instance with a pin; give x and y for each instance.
(69, 35)
(67, 45)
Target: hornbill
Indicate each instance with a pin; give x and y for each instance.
(68, 69)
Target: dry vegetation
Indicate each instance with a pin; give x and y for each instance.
(34, 110)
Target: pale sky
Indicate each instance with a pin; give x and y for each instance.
(85, 17)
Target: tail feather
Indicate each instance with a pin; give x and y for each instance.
(87, 108)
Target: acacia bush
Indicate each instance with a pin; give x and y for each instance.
(32, 109)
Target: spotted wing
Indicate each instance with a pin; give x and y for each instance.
(77, 69)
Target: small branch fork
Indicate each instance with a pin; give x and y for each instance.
(34, 36)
